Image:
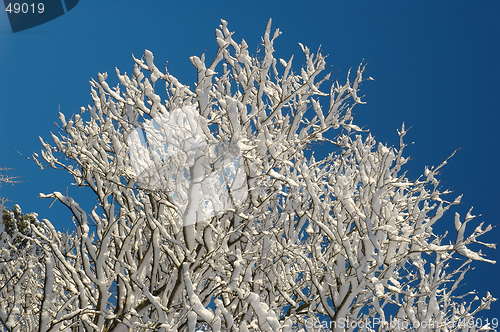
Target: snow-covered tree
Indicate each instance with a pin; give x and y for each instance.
(21, 272)
(212, 211)
(4, 179)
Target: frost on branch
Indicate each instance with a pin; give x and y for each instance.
(210, 214)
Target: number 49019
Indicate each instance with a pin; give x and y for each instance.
(25, 8)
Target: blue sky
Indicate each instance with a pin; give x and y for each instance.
(435, 65)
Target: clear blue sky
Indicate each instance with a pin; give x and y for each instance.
(436, 65)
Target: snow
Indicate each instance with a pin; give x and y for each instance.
(210, 214)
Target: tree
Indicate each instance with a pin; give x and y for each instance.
(213, 213)
(4, 179)
(21, 272)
